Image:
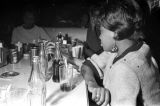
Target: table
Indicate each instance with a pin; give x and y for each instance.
(54, 97)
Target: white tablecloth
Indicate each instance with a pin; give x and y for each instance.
(55, 97)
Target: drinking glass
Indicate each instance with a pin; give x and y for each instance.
(77, 51)
(66, 78)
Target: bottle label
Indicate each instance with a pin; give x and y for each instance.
(64, 42)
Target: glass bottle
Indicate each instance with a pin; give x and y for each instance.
(58, 64)
(60, 38)
(19, 50)
(65, 39)
(33, 52)
(43, 60)
(37, 86)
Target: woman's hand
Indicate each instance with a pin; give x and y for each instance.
(100, 95)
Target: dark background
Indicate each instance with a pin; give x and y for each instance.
(50, 12)
(11, 10)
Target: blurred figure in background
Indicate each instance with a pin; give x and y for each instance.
(84, 21)
(28, 31)
(92, 44)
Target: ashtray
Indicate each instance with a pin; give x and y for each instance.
(9, 74)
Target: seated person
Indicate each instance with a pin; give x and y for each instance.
(130, 74)
(29, 31)
(92, 44)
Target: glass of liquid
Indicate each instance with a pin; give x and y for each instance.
(66, 83)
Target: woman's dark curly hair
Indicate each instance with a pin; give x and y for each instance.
(123, 18)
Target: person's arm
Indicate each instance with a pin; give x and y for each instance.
(77, 63)
(87, 52)
(97, 63)
(88, 76)
(124, 87)
(99, 94)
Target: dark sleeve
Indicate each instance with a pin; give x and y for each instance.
(93, 42)
(95, 72)
(87, 51)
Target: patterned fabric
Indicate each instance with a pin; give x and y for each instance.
(28, 35)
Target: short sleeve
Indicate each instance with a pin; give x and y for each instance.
(124, 86)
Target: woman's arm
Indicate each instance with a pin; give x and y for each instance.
(88, 76)
(99, 94)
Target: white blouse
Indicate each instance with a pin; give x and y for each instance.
(135, 76)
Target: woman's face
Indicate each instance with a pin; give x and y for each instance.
(107, 39)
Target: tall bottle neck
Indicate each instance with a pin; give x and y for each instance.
(42, 50)
(35, 66)
(35, 72)
(58, 54)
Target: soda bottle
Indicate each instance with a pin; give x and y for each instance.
(60, 38)
(58, 64)
(36, 82)
(43, 60)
